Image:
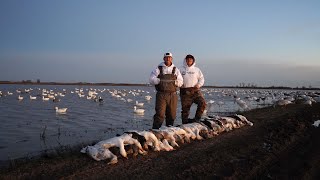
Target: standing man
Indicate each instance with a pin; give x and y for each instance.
(190, 90)
(166, 78)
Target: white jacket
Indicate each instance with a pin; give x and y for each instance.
(166, 70)
(191, 75)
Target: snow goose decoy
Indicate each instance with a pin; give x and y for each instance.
(139, 104)
(20, 98)
(148, 97)
(210, 106)
(282, 102)
(138, 111)
(45, 98)
(242, 104)
(33, 97)
(61, 110)
(308, 102)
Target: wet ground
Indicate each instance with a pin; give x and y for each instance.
(282, 144)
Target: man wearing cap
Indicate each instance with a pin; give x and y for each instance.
(166, 78)
(190, 90)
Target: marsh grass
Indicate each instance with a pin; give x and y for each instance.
(43, 134)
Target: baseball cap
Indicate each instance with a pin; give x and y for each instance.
(167, 54)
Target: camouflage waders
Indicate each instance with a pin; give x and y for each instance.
(188, 97)
(166, 99)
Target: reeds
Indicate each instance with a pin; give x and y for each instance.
(43, 134)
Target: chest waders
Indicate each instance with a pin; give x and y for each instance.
(167, 81)
(166, 99)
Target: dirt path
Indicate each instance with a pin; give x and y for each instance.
(282, 144)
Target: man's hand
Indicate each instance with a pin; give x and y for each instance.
(197, 86)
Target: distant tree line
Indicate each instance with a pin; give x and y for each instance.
(241, 85)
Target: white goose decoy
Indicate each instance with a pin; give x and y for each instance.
(89, 97)
(61, 110)
(308, 102)
(210, 106)
(282, 102)
(148, 97)
(139, 104)
(138, 111)
(33, 97)
(45, 98)
(242, 104)
(20, 98)
(50, 96)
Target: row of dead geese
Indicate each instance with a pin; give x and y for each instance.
(163, 139)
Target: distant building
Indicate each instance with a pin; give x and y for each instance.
(38, 80)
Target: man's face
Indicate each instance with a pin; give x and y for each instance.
(189, 61)
(168, 60)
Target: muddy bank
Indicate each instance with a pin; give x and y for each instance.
(282, 144)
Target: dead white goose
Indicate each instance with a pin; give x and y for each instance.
(316, 123)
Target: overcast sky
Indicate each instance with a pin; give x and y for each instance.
(267, 42)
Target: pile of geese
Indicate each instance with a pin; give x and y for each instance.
(163, 139)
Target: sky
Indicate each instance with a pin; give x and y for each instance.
(267, 42)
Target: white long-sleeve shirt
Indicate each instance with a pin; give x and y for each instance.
(166, 70)
(191, 75)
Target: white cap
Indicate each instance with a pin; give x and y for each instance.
(167, 54)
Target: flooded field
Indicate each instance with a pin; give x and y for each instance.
(31, 125)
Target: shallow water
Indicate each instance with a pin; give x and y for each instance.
(29, 127)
